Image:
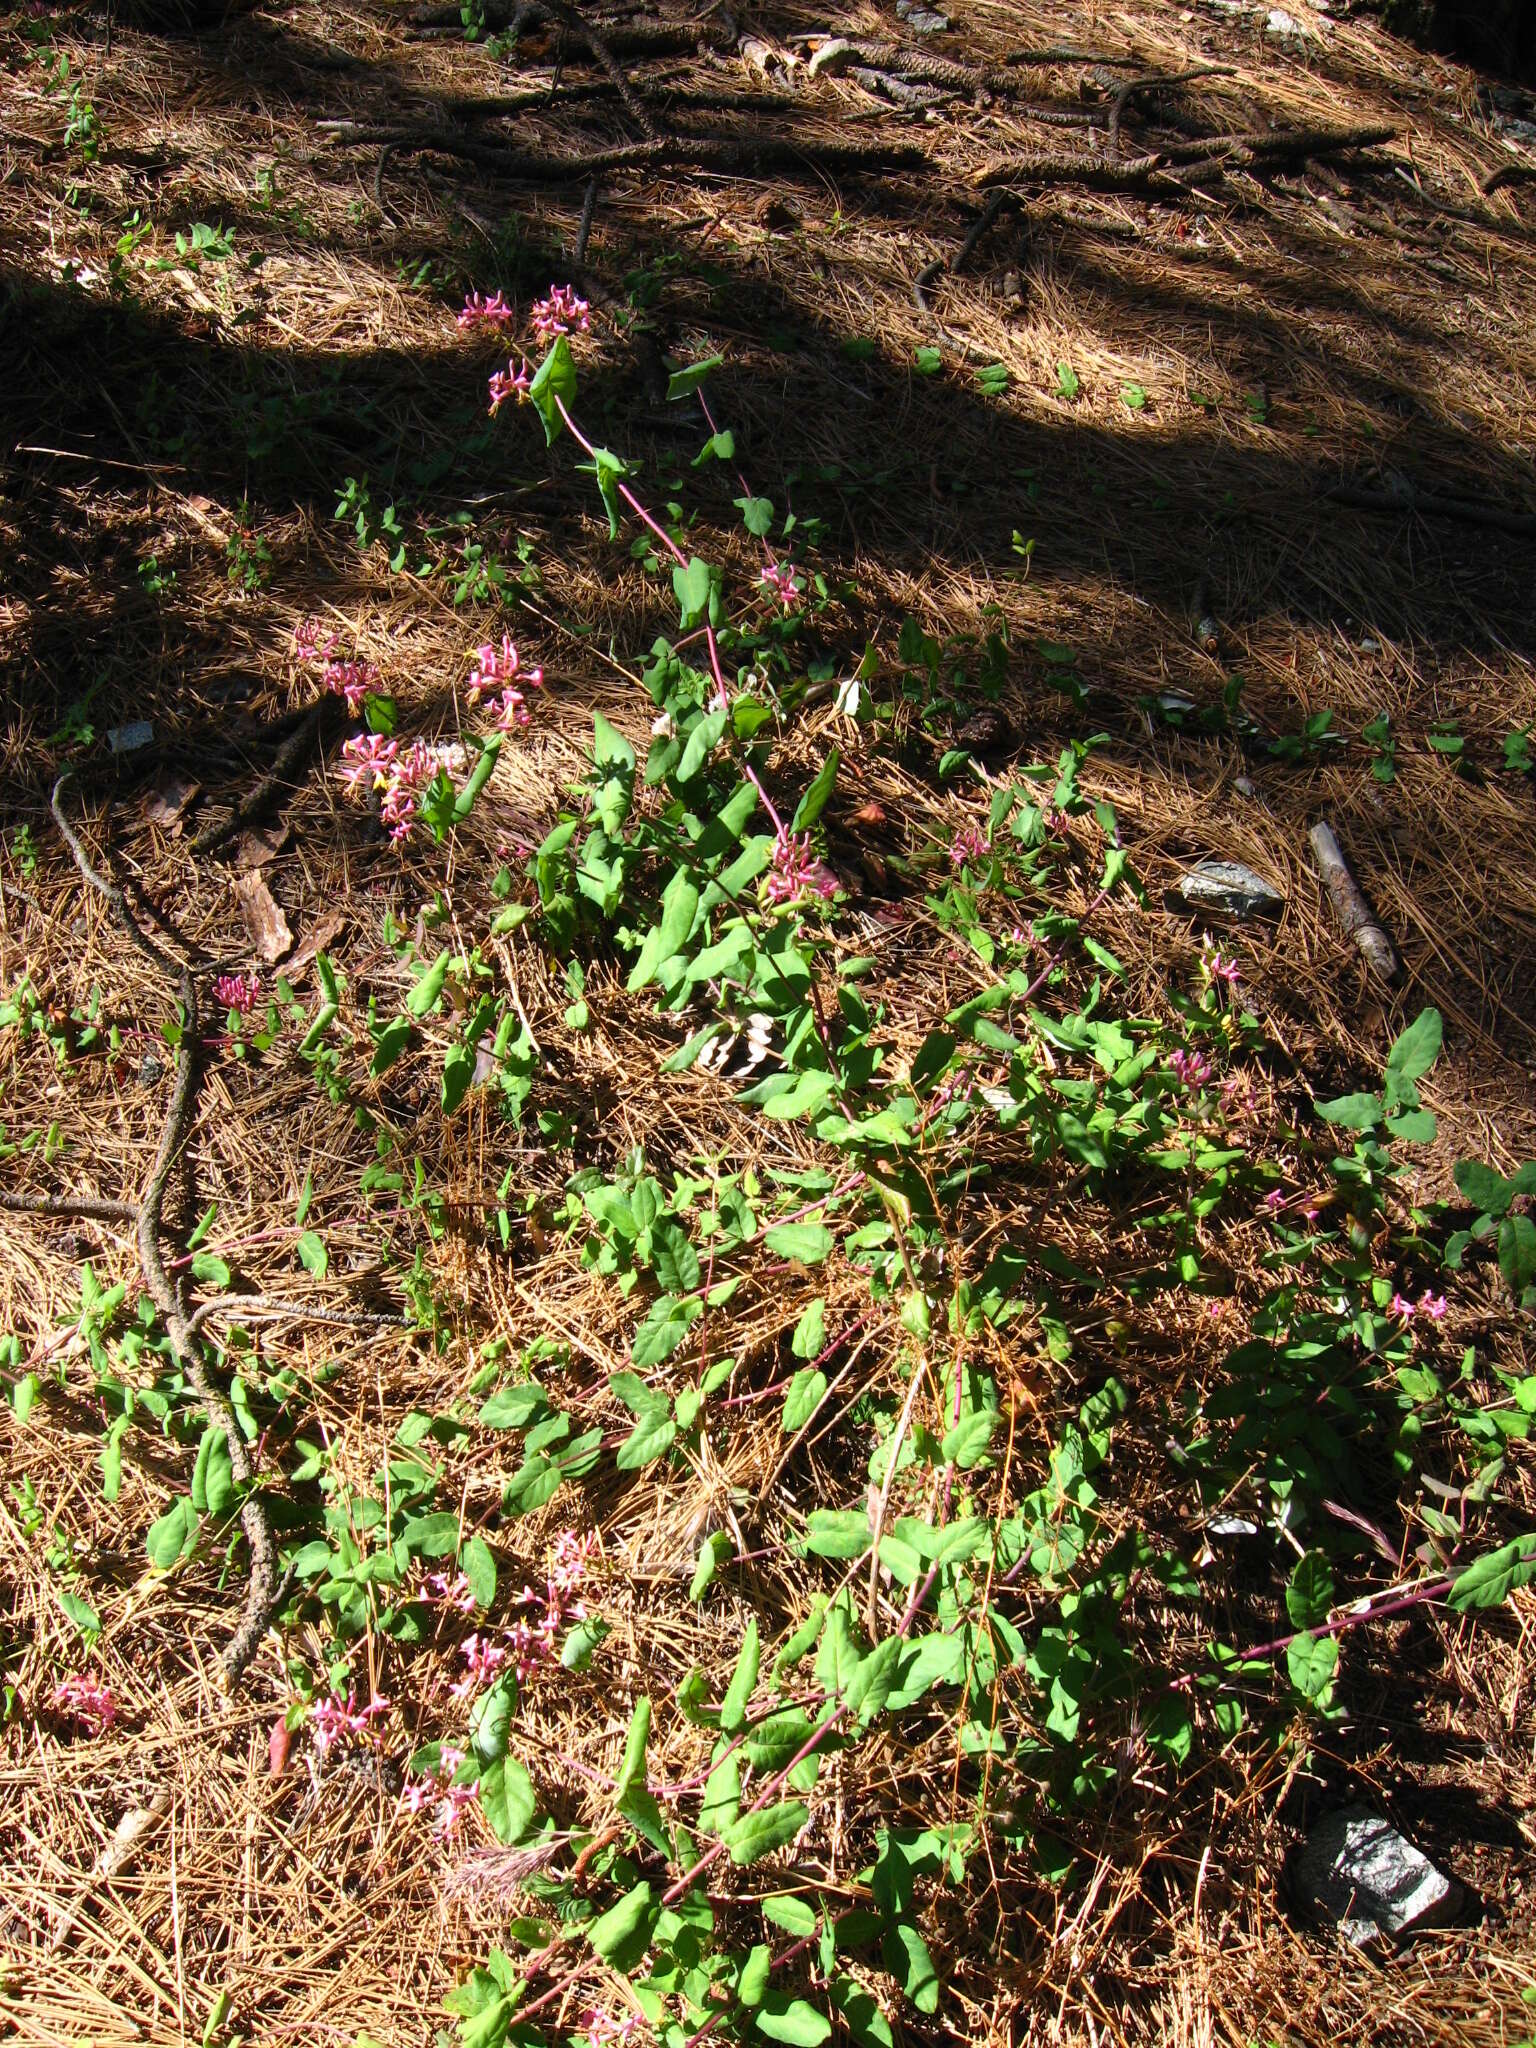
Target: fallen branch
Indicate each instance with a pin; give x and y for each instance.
(262, 1590)
(305, 735)
(1430, 505)
(683, 152)
(1173, 169)
(1349, 906)
(1508, 174)
(1152, 82)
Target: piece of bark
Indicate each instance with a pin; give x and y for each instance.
(264, 919)
(1349, 906)
(256, 847)
(325, 933)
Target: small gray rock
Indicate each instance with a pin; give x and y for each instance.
(127, 739)
(1357, 1871)
(1228, 886)
(922, 21)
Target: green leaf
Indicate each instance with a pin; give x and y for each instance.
(1489, 1581)
(702, 742)
(631, 1776)
(1067, 382)
(966, 1444)
(810, 1334)
(1354, 1112)
(555, 380)
(663, 1330)
(392, 1041)
(814, 801)
(906, 1956)
(673, 1257)
(80, 1612)
(431, 1535)
(621, 1935)
(753, 1981)
(515, 1407)
(679, 907)
(713, 1552)
(758, 1834)
(213, 1479)
(806, 1391)
(1484, 1188)
(610, 471)
(681, 382)
(756, 515)
(783, 2018)
(646, 1442)
(1412, 1127)
(173, 1536)
(1135, 396)
(313, 1256)
(693, 587)
(210, 1269)
(837, 1532)
(928, 360)
(1309, 1595)
(790, 1913)
(610, 749)
(428, 988)
(810, 1243)
(458, 1073)
(490, 1721)
(1517, 1253)
(1311, 1662)
(507, 1799)
(870, 1686)
(479, 1567)
(733, 1708)
(1415, 1051)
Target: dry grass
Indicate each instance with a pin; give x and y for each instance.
(1350, 322)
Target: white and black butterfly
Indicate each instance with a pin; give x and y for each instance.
(737, 1055)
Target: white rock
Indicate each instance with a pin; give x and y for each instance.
(1357, 1871)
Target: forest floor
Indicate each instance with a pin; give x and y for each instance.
(978, 1393)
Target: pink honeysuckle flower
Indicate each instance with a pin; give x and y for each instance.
(510, 710)
(480, 311)
(495, 666)
(455, 1593)
(312, 641)
(603, 2030)
(335, 1717)
(354, 680)
(969, 843)
(508, 383)
(438, 1790)
(87, 1700)
(1192, 1069)
(1402, 1307)
(779, 579)
(237, 992)
(568, 1562)
(368, 761)
(794, 871)
(561, 313)
(483, 1660)
(1275, 1199)
(1216, 966)
(1432, 1305)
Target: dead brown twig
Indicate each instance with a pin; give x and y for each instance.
(262, 1591)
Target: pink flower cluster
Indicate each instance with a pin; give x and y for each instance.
(532, 1637)
(455, 1594)
(508, 383)
(969, 843)
(779, 578)
(561, 313)
(238, 992)
(397, 772)
(439, 1790)
(794, 871)
(480, 311)
(1277, 1200)
(336, 1718)
(484, 1659)
(1192, 1069)
(604, 2031)
(496, 676)
(1215, 966)
(354, 680)
(1431, 1305)
(87, 1700)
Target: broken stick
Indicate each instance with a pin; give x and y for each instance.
(1349, 906)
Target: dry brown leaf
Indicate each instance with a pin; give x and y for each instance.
(325, 933)
(264, 919)
(166, 801)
